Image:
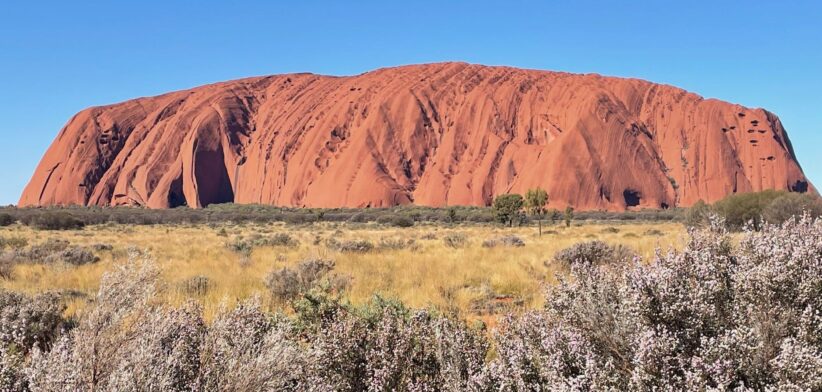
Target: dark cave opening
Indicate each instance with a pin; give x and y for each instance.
(211, 175)
(800, 186)
(176, 198)
(632, 197)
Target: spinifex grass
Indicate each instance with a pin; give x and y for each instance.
(424, 273)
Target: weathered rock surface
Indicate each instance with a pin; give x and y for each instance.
(435, 134)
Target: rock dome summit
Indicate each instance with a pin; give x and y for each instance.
(435, 134)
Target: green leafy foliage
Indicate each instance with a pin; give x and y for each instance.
(507, 208)
(740, 209)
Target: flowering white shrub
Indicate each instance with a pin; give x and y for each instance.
(388, 348)
(594, 252)
(244, 350)
(712, 317)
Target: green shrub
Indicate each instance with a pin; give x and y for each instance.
(53, 251)
(792, 206)
(196, 285)
(245, 245)
(6, 220)
(240, 245)
(396, 244)
(452, 215)
(429, 236)
(395, 220)
(508, 208)
(7, 262)
(44, 250)
(286, 284)
(402, 221)
(100, 247)
(27, 322)
(653, 233)
(569, 216)
(594, 252)
(279, 239)
(57, 220)
(455, 240)
(351, 246)
(741, 209)
(506, 240)
(74, 255)
(698, 215)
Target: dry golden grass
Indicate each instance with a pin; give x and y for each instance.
(431, 274)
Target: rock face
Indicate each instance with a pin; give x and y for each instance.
(435, 134)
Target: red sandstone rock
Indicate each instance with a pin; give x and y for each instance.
(436, 134)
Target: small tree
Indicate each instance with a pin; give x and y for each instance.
(743, 208)
(452, 215)
(569, 215)
(507, 208)
(535, 202)
(791, 206)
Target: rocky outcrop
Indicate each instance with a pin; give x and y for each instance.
(435, 134)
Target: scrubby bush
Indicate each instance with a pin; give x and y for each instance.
(245, 245)
(13, 242)
(698, 215)
(741, 209)
(245, 350)
(56, 220)
(12, 367)
(286, 284)
(350, 246)
(7, 264)
(127, 341)
(429, 236)
(396, 220)
(792, 206)
(708, 318)
(40, 253)
(488, 301)
(653, 233)
(55, 250)
(386, 347)
(74, 255)
(396, 244)
(29, 322)
(279, 239)
(594, 252)
(6, 220)
(240, 245)
(196, 285)
(455, 240)
(283, 284)
(100, 247)
(506, 240)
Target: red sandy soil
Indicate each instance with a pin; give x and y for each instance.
(434, 134)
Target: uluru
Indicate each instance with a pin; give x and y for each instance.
(435, 134)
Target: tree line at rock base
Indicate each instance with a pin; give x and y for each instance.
(508, 209)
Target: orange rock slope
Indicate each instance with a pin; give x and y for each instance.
(436, 134)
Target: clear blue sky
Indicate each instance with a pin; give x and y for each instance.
(58, 57)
